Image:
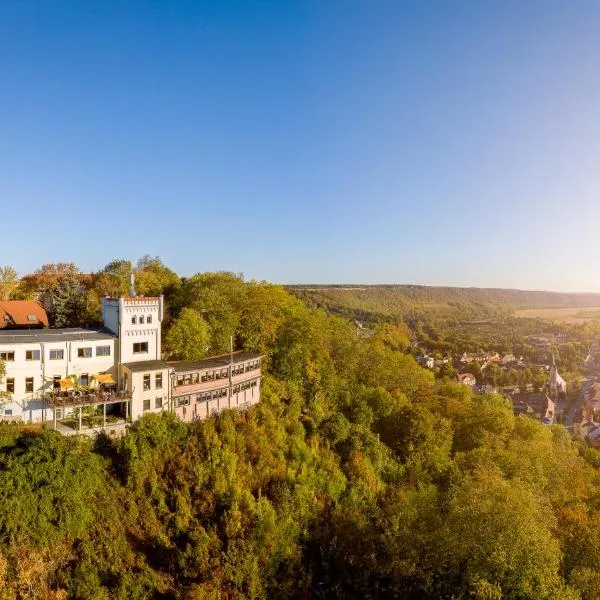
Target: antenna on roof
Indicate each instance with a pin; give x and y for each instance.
(132, 285)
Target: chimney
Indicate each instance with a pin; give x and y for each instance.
(132, 285)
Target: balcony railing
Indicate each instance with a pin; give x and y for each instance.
(60, 398)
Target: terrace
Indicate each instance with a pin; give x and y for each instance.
(88, 413)
(77, 398)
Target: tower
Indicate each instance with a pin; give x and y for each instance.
(556, 383)
(136, 321)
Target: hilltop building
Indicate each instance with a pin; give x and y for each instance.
(113, 375)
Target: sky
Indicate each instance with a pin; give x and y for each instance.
(305, 141)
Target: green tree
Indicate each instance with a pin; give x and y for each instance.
(152, 277)
(219, 298)
(189, 336)
(65, 301)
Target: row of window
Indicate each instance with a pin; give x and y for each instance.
(158, 402)
(243, 386)
(59, 353)
(158, 382)
(84, 379)
(214, 394)
(10, 384)
(141, 320)
(216, 374)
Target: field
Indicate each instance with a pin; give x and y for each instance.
(573, 315)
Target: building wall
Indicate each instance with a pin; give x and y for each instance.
(135, 384)
(200, 404)
(27, 405)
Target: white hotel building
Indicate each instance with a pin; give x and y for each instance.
(115, 374)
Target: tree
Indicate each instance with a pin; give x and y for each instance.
(9, 281)
(65, 301)
(114, 279)
(189, 336)
(219, 298)
(152, 277)
(4, 396)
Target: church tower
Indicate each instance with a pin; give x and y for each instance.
(556, 383)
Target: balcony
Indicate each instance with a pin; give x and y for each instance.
(60, 398)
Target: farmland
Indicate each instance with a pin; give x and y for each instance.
(573, 315)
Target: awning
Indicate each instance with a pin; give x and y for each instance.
(66, 384)
(104, 378)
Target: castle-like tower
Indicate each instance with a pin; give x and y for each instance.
(136, 321)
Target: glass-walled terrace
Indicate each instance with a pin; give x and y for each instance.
(216, 374)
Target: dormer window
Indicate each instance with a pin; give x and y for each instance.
(32, 318)
(133, 320)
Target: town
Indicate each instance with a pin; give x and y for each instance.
(533, 384)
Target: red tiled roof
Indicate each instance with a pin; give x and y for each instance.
(22, 313)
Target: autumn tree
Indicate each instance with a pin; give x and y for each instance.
(9, 281)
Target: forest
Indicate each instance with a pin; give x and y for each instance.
(359, 474)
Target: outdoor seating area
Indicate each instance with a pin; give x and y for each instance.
(63, 398)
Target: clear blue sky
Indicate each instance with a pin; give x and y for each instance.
(305, 141)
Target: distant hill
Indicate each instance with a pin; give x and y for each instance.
(370, 302)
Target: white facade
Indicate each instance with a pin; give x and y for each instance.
(128, 349)
(137, 324)
(35, 360)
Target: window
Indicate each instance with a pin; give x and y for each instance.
(140, 348)
(7, 356)
(32, 355)
(84, 353)
(133, 320)
(158, 403)
(8, 412)
(146, 382)
(84, 379)
(158, 381)
(147, 404)
(32, 318)
(10, 385)
(57, 354)
(181, 401)
(56, 382)
(141, 319)
(102, 350)
(29, 384)
(149, 319)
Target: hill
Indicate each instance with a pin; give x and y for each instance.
(380, 302)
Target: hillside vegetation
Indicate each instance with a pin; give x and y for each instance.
(358, 475)
(384, 301)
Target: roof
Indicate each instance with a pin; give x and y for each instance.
(214, 361)
(181, 366)
(462, 376)
(22, 313)
(147, 365)
(70, 334)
